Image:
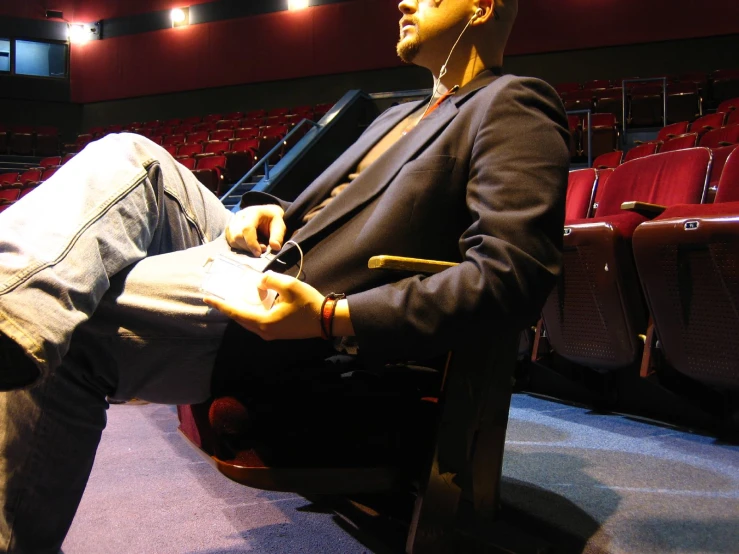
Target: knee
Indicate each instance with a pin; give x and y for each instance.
(134, 146)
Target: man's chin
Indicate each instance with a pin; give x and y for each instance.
(407, 50)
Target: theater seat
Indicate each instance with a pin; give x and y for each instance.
(720, 155)
(687, 260)
(642, 150)
(608, 160)
(210, 171)
(605, 135)
(9, 195)
(595, 315)
(8, 178)
(188, 150)
(581, 186)
(673, 130)
(688, 140)
(724, 136)
(728, 105)
(707, 123)
(725, 84)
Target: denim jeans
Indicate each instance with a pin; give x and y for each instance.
(100, 269)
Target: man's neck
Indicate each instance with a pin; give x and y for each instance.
(460, 70)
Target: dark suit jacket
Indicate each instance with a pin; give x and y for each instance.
(480, 181)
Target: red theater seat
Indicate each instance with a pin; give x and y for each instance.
(228, 124)
(725, 84)
(720, 155)
(8, 178)
(608, 160)
(728, 105)
(732, 118)
(30, 176)
(222, 134)
(189, 163)
(687, 260)
(724, 136)
(197, 136)
(278, 112)
(47, 173)
(246, 133)
(579, 100)
(256, 113)
(189, 149)
(642, 150)
(212, 117)
(581, 186)
(67, 157)
(209, 127)
(688, 140)
(192, 120)
(566, 88)
(47, 141)
(708, 122)
(605, 134)
(174, 139)
(210, 171)
(673, 130)
(645, 106)
(233, 115)
(215, 147)
(8, 195)
(269, 138)
(595, 314)
(171, 122)
(610, 101)
(684, 102)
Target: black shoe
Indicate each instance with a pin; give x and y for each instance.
(16, 369)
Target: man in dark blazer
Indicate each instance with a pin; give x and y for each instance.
(106, 300)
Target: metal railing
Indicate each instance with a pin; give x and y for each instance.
(265, 159)
(588, 114)
(663, 80)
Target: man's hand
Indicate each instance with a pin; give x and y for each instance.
(295, 315)
(246, 227)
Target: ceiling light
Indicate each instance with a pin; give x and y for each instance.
(180, 17)
(80, 33)
(297, 4)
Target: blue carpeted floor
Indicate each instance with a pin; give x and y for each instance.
(588, 482)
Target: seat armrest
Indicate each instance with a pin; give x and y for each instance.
(643, 208)
(415, 265)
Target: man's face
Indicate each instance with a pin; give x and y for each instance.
(427, 25)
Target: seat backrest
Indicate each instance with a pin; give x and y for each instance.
(8, 178)
(48, 172)
(566, 87)
(234, 115)
(212, 117)
(600, 120)
(274, 131)
(211, 162)
(255, 114)
(216, 147)
(197, 136)
(190, 149)
(641, 150)
(228, 124)
(673, 130)
(678, 177)
(243, 145)
(10, 195)
(609, 159)
(720, 155)
(728, 184)
(246, 133)
(707, 122)
(30, 176)
(732, 118)
(728, 105)
(581, 185)
(222, 134)
(688, 140)
(189, 163)
(721, 137)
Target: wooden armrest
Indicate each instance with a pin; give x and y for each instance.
(415, 265)
(643, 208)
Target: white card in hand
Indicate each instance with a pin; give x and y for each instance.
(237, 280)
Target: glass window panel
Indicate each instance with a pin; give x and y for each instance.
(42, 59)
(4, 54)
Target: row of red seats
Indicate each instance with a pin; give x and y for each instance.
(719, 84)
(29, 140)
(643, 245)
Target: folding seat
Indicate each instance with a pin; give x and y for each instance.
(8, 178)
(704, 124)
(183, 129)
(272, 120)
(608, 160)
(51, 161)
(97, 131)
(269, 137)
(209, 126)
(684, 102)
(214, 147)
(197, 136)
(165, 130)
(152, 124)
(30, 176)
(83, 140)
(687, 260)
(171, 148)
(171, 122)
(21, 140)
(233, 115)
(174, 139)
(67, 157)
(256, 114)
(48, 172)
(222, 134)
(596, 313)
(189, 163)
(724, 84)
(246, 133)
(211, 171)
(212, 117)
(605, 134)
(680, 142)
(641, 150)
(581, 186)
(25, 191)
(729, 105)
(241, 158)
(566, 88)
(303, 112)
(721, 137)
(732, 118)
(228, 124)
(645, 105)
(579, 100)
(156, 139)
(252, 121)
(189, 149)
(8, 195)
(597, 84)
(673, 130)
(278, 111)
(610, 101)
(720, 155)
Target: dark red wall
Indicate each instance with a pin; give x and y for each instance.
(351, 36)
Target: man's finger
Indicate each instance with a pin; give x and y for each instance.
(276, 233)
(282, 284)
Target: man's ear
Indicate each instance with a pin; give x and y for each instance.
(484, 10)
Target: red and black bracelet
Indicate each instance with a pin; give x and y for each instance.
(328, 310)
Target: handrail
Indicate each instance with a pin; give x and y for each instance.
(644, 80)
(590, 132)
(265, 160)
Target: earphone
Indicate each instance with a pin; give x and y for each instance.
(477, 14)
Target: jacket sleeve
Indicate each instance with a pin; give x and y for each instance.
(511, 251)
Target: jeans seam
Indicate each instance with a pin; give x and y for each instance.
(189, 216)
(26, 274)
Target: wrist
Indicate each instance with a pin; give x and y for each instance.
(334, 317)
